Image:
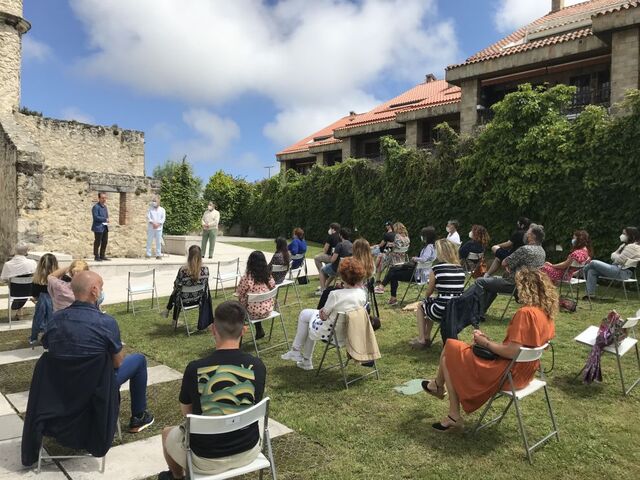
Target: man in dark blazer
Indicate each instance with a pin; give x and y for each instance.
(100, 227)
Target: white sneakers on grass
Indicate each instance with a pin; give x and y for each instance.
(305, 364)
(293, 355)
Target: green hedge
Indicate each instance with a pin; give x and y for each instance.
(531, 160)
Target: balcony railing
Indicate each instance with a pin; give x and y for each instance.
(589, 96)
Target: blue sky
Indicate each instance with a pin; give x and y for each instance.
(231, 83)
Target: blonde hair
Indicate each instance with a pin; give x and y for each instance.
(447, 251)
(77, 266)
(362, 252)
(536, 289)
(47, 264)
(194, 262)
(400, 229)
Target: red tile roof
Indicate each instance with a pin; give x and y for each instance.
(423, 96)
(576, 14)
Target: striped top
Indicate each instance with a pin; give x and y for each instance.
(449, 283)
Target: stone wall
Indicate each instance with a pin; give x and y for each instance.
(8, 158)
(625, 62)
(9, 67)
(69, 144)
(14, 7)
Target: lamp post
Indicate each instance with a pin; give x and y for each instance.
(269, 167)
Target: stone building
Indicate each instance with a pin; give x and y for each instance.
(51, 170)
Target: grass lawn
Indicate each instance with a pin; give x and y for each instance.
(372, 432)
(313, 248)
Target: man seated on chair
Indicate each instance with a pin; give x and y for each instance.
(342, 250)
(225, 382)
(18, 265)
(530, 255)
(81, 330)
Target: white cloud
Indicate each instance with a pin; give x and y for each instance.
(74, 113)
(513, 14)
(33, 49)
(297, 53)
(214, 136)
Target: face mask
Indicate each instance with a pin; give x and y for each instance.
(100, 298)
(624, 238)
(154, 204)
(573, 241)
(210, 208)
(329, 231)
(471, 235)
(422, 238)
(448, 229)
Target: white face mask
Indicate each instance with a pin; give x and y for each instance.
(154, 204)
(448, 229)
(422, 238)
(471, 235)
(330, 232)
(624, 238)
(573, 241)
(210, 207)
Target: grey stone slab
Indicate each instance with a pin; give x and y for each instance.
(277, 429)
(11, 468)
(16, 325)
(21, 355)
(157, 374)
(19, 400)
(5, 406)
(10, 426)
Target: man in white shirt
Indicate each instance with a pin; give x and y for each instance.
(452, 232)
(17, 266)
(210, 220)
(155, 219)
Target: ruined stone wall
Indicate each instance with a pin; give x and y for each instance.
(89, 148)
(8, 158)
(9, 67)
(54, 206)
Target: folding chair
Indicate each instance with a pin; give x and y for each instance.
(618, 349)
(142, 288)
(632, 279)
(227, 271)
(287, 282)
(300, 256)
(417, 282)
(332, 344)
(215, 425)
(19, 291)
(526, 355)
(576, 279)
(275, 313)
(512, 296)
(471, 264)
(192, 290)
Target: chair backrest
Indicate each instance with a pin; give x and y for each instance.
(295, 273)
(229, 263)
(214, 425)
(631, 322)
(400, 249)
(193, 288)
(475, 257)
(143, 273)
(576, 264)
(20, 286)
(261, 297)
(530, 354)
(279, 268)
(424, 265)
(298, 256)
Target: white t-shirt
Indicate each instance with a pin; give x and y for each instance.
(454, 237)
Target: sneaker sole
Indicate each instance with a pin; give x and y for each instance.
(142, 427)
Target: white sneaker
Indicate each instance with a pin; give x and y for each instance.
(305, 364)
(318, 293)
(165, 313)
(318, 288)
(293, 355)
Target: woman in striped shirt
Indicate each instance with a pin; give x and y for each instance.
(447, 278)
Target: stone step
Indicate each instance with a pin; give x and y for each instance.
(16, 325)
(20, 355)
(11, 467)
(10, 426)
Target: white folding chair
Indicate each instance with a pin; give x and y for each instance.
(19, 290)
(512, 296)
(397, 251)
(275, 313)
(576, 279)
(147, 285)
(420, 283)
(632, 280)
(332, 343)
(470, 264)
(192, 291)
(618, 349)
(215, 425)
(300, 256)
(526, 355)
(227, 271)
(287, 282)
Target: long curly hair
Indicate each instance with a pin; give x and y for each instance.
(536, 289)
(258, 268)
(480, 235)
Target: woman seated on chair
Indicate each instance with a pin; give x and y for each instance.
(624, 262)
(189, 275)
(401, 241)
(314, 325)
(405, 271)
(297, 246)
(281, 257)
(47, 264)
(581, 252)
(477, 243)
(447, 278)
(256, 279)
(504, 249)
(471, 380)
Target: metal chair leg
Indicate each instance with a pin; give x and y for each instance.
(504, 312)
(522, 430)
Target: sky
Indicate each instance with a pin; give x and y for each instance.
(230, 83)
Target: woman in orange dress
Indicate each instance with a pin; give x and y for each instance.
(471, 380)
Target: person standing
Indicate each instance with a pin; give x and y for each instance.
(210, 220)
(100, 227)
(155, 220)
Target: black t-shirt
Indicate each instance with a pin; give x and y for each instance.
(343, 249)
(517, 239)
(332, 240)
(388, 238)
(225, 382)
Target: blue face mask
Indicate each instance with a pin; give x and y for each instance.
(100, 298)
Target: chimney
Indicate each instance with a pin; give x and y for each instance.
(557, 5)
(429, 77)
(352, 113)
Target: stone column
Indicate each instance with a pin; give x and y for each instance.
(412, 134)
(12, 26)
(348, 148)
(320, 159)
(625, 62)
(469, 105)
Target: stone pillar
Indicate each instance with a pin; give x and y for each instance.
(469, 105)
(12, 26)
(412, 134)
(348, 148)
(321, 159)
(625, 62)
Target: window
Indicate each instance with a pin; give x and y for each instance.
(124, 209)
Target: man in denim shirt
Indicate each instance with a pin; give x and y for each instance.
(100, 227)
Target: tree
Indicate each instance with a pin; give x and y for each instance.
(232, 196)
(180, 191)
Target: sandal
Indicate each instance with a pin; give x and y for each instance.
(392, 301)
(418, 345)
(456, 425)
(378, 290)
(439, 392)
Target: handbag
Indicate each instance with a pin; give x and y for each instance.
(303, 280)
(568, 305)
(484, 353)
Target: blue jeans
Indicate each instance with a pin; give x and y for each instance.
(489, 289)
(596, 269)
(41, 316)
(157, 236)
(134, 369)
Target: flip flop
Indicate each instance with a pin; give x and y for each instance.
(439, 393)
(438, 427)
